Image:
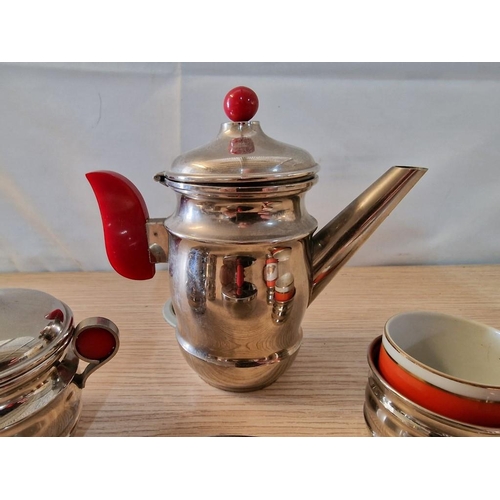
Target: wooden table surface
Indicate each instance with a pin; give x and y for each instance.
(148, 389)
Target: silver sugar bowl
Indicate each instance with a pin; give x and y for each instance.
(45, 360)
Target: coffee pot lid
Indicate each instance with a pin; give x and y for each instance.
(34, 327)
(241, 152)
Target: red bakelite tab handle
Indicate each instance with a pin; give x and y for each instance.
(95, 344)
(124, 215)
(96, 339)
(241, 104)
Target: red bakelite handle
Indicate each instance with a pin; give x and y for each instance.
(95, 344)
(95, 340)
(124, 215)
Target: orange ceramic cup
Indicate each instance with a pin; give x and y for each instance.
(448, 404)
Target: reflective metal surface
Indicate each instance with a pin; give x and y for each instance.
(35, 329)
(40, 352)
(388, 413)
(243, 270)
(337, 242)
(241, 152)
(230, 327)
(49, 405)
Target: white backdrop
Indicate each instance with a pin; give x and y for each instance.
(59, 121)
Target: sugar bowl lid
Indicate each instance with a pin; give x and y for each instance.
(36, 328)
(241, 152)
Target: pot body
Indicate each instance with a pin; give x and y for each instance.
(240, 286)
(47, 405)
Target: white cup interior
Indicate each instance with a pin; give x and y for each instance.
(454, 346)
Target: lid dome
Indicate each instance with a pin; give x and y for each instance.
(241, 152)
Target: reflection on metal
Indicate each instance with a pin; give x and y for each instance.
(157, 240)
(200, 279)
(281, 310)
(241, 146)
(279, 281)
(270, 276)
(238, 292)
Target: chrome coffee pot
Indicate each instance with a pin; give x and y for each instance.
(244, 258)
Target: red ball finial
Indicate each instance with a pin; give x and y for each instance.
(241, 104)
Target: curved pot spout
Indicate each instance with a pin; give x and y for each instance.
(124, 215)
(336, 243)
